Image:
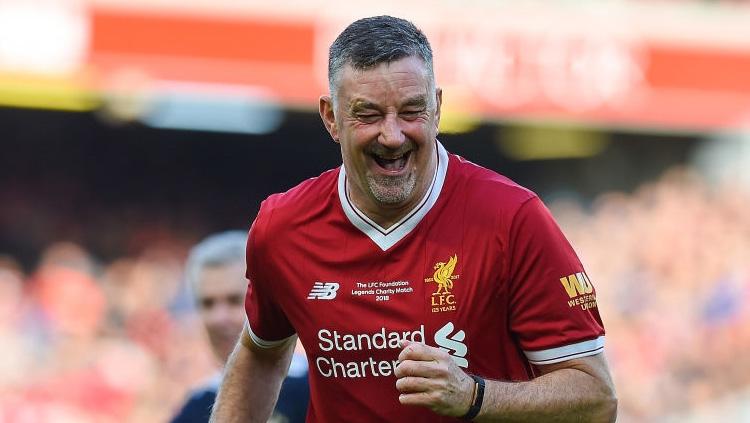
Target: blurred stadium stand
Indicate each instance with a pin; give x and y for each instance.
(130, 130)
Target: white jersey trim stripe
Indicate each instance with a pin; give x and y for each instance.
(386, 238)
(262, 342)
(567, 352)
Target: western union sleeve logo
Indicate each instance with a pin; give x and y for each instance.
(580, 290)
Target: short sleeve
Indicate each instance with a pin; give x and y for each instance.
(267, 323)
(553, 309)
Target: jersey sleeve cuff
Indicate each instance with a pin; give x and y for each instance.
(262, 342)
(566, 352)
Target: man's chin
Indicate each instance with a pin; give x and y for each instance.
(222, 350)
(390, 197)
(223, 354)
(391, 194)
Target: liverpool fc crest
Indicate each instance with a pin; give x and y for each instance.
(443, 299)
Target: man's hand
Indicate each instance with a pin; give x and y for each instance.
(428, 377)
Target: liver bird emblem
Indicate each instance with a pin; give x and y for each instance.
(442, 275)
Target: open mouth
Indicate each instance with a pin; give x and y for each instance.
(392, 164)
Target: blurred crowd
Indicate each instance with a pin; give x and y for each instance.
(87, 341)
(671, 264)
(83, 341)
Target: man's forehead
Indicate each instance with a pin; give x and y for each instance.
(410, 64)
(407, 83)
(222, 277)
(218, 291)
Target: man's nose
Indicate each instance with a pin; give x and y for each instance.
(391, 134)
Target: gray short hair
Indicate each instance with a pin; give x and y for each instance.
(215, 250)
(368, 42)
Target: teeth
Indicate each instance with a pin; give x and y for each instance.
(396, 163)
(391, 158)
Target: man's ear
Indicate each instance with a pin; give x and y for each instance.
(325, 108)
(438, 103)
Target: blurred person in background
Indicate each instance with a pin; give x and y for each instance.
(215, 274)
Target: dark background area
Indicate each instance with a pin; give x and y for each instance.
(118, 188)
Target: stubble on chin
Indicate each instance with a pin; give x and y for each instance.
(392, 190)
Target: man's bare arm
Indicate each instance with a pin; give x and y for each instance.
(252, 380)
(575, 390)
(571, 391)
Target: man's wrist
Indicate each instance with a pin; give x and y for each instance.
(476, 399)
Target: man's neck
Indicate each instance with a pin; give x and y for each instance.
(387, 215)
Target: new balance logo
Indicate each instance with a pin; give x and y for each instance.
(453, 344)
(323, 291)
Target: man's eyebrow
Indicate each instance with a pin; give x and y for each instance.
(360, 105)
(419, 101)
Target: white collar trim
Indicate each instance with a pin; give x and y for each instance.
(386, 238)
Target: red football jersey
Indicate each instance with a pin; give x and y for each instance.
(479, 268)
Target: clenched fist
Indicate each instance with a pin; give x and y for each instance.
(428, 377)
